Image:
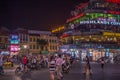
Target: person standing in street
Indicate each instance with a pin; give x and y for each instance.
(52, 67)
(59, 63)
(87, 66)
(1, 64)
(102, 63)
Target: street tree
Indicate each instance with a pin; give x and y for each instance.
(42, 43)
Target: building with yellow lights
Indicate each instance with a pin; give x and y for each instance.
(93, 29)
(34, 48)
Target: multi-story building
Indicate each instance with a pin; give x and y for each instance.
(93, 29)
(34, 47)
(4, 41)
(22, 40)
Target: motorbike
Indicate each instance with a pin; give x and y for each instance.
(66, 67)
(19, 69)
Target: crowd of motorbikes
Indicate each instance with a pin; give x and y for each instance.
(39, 65)
(30, 66)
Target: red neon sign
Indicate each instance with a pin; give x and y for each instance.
(65, 35)
(114, 1)
(71, 19)
(114, 12)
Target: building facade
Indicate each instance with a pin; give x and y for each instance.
(93, 29)
(51, 46)
(4, 41)
(23, 41)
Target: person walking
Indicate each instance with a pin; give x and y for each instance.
(59, 62)
(25, 61)
(52, 67)
(87, 66)
(102, 63)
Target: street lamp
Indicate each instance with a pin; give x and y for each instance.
(25, 46)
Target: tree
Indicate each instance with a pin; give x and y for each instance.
(42, 43)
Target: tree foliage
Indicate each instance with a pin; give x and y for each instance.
(42, 43)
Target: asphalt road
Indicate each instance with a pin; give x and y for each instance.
(110, 72)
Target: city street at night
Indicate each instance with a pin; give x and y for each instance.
(60, 40)
(110, 72)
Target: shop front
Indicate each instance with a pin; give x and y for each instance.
(70, 49)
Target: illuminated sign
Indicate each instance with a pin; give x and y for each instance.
(114, 12)
(114, 1)
(14, 48)
(95, 18)
(65, 35)
(14, 39)
(58, 29)
(71, 19)
(99, 22)
(111, 34)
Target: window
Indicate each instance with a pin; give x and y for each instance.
(6, 39)
(53, 48)
(30, 46)
(27, 38)
(34, 39)
(37, 46)
(56, 47)
(33, 46)
(50, 40)
(30, 39)
(46, 48)
(50, 47)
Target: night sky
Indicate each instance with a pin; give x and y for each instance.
(35, 14)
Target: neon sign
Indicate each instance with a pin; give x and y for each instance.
(65, 35)
(99, 22)
(114, 1)
(71, 19)
(111, 34)
(58, 29)
(14, 48)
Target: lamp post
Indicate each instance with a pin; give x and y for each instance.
(25, 47)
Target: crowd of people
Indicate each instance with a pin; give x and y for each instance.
(57, 64)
